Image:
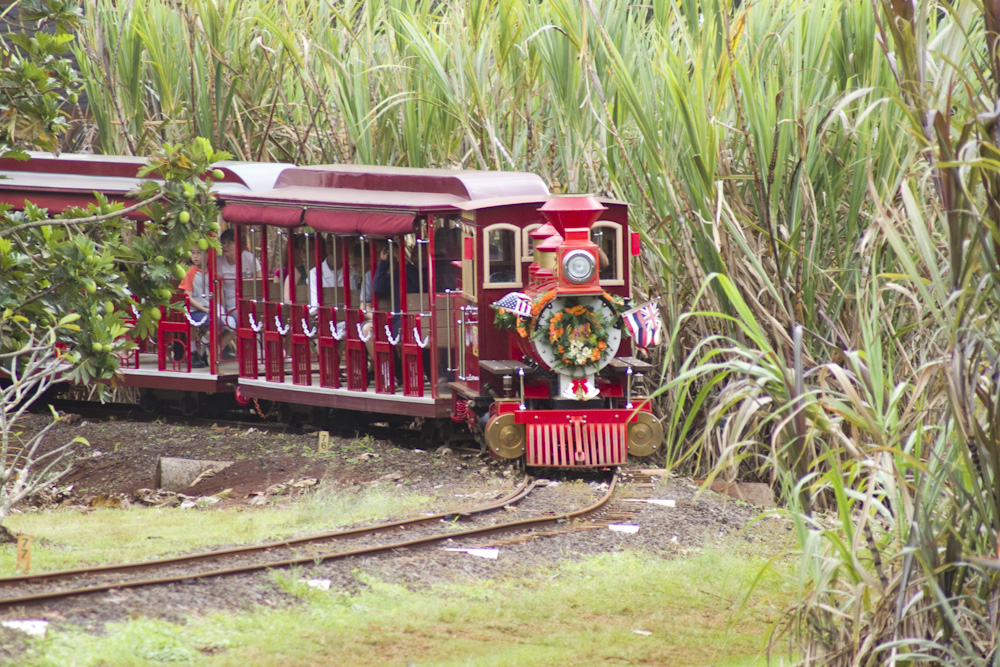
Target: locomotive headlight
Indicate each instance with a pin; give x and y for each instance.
(578, 266)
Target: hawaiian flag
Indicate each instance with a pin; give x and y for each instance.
(644, 325)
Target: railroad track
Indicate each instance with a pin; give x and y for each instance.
(615, 511)
(65, 583)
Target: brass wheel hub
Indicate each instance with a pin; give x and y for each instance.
(645, 435)
(504, 437)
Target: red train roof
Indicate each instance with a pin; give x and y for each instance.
(381, 201)
(58, 182)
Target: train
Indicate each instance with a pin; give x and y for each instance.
(475, 303)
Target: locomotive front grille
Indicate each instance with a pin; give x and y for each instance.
(576, 444)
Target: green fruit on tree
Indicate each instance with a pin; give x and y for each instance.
(179, 271)
(155, 314)
(108, 347)
(164, 293)
(218, 174)
(203, 244)
(90, 286)
(184, 217)
(158, 259)
(97, 347)
(109, 307)
(73, 98)
(213, 226)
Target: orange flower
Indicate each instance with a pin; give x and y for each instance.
(561, 349)
(601, 345)
(536, 307)
(557, 317)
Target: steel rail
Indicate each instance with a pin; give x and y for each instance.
(317, 559)
(518, 494)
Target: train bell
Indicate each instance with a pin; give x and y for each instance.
(578, 388)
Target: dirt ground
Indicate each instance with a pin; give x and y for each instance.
(118, 466)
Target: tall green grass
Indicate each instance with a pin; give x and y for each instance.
(751, 140)
(817, 188)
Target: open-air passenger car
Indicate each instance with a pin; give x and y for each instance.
(60, 182)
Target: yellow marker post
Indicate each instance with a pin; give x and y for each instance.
(24, 543)
(323, 442)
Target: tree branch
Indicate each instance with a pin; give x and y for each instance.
(79, 221)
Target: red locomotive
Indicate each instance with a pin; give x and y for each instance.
(456, 296)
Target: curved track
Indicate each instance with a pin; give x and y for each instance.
(241, 553)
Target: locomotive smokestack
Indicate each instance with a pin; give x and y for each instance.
(577, 257)
(572, 212)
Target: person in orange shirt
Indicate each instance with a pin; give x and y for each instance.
(197, 261)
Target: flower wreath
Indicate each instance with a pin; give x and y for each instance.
(577, 334)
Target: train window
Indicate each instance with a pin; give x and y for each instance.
(528, 243)
(388, 280)
(288, 275)
(249, 259)
(502, 256)
(469, 279)
(608, 237)
(325, 265)
(447, 255)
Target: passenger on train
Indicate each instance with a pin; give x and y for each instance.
(360, 287)
(197, 304)
(446, 251)
(298, 273)
(388, 284)
(197, 258)
(383, 283)
(602, 241)
(333, 274)
(226, 271)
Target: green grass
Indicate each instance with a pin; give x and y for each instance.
(66, 540)
(577, 613)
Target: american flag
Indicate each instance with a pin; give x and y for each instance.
(644, 325)
(516, 302)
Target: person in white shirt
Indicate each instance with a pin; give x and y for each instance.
(333, 276)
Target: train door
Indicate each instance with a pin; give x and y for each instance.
(467, 317)
(448, 300)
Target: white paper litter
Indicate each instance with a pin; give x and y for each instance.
(623, 527)
(492, 554)
(666, 502)
(33, 627)
(320, 584)
(644, 633)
